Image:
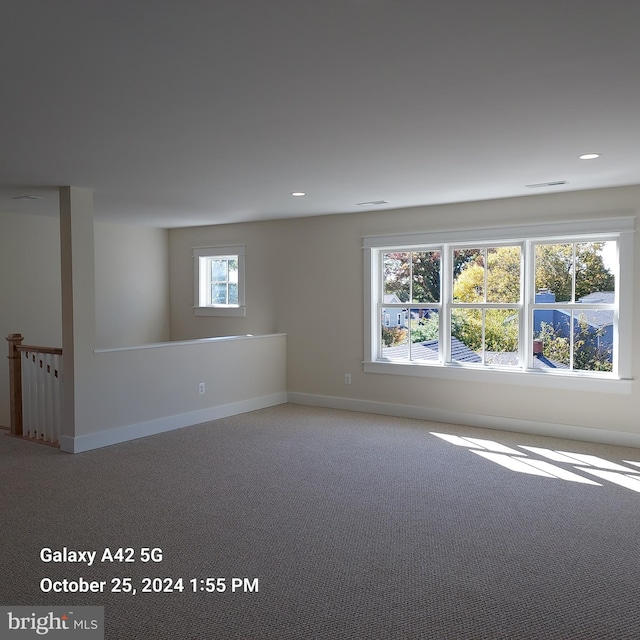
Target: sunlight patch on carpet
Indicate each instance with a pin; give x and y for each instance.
(520, 462)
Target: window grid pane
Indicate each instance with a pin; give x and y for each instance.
(575, 337)
(224, 289)
(410, 333)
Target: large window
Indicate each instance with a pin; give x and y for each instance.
(551, 299)
(219, 281)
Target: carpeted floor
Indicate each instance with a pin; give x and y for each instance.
(355, 525)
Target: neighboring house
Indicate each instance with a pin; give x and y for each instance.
(599, 322)
(394, 318)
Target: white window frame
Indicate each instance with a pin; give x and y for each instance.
(202, 257)
(620, 229)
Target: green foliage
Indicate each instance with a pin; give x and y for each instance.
(462, 258)
(502, 285)
(416, 274)
(396, 271)
(393, 336)
(554, 269)
(587, 354)
(469, 285)
(425, 274)
(424, 329)
(503, 277)
(500, 329)
(554, 346)
(466, 325)
(413, 276)
(591, 273)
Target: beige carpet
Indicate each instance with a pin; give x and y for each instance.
(356, 526)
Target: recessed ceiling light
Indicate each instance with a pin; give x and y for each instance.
(298, 194)
(29, 197)
(589, 156)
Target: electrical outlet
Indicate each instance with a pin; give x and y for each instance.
(347, 378)
(201, 388)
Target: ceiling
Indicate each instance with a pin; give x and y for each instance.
(181, 113)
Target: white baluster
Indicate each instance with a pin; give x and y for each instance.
(42, 393)
(47, 372)
(25, 391)
(31, 395)
(56, 378)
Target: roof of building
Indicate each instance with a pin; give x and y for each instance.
(598, 317)
(599, 297)
(511, 359)
(461, 353)
(429, 351)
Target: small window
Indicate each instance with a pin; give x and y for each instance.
(219, 281)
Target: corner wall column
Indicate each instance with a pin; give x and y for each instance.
(78, 307)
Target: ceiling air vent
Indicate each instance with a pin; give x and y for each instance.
(372, 203)
(556, 183)
(27, 198)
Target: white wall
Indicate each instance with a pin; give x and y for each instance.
(119, 394)
(117, 295)
(29, 287)
(136, 392)
(300, 271)
(132, 285)
(261, 263)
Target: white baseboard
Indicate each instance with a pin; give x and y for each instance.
(572, 432)
(117, 435)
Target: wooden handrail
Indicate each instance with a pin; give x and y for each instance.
(32, 349)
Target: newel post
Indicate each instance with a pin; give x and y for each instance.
(15, 382)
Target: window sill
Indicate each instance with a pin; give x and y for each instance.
(238, 312)
(554, 380)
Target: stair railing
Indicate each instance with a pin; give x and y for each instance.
(35, 388)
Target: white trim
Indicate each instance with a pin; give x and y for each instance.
(570, 381)
(201, 284)
(221, 250)
(371, 283)
(517, 425)
(503, 233)
(182, 343)
(108, 437)
(619, 229)
(624, 299)
(238, 312)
